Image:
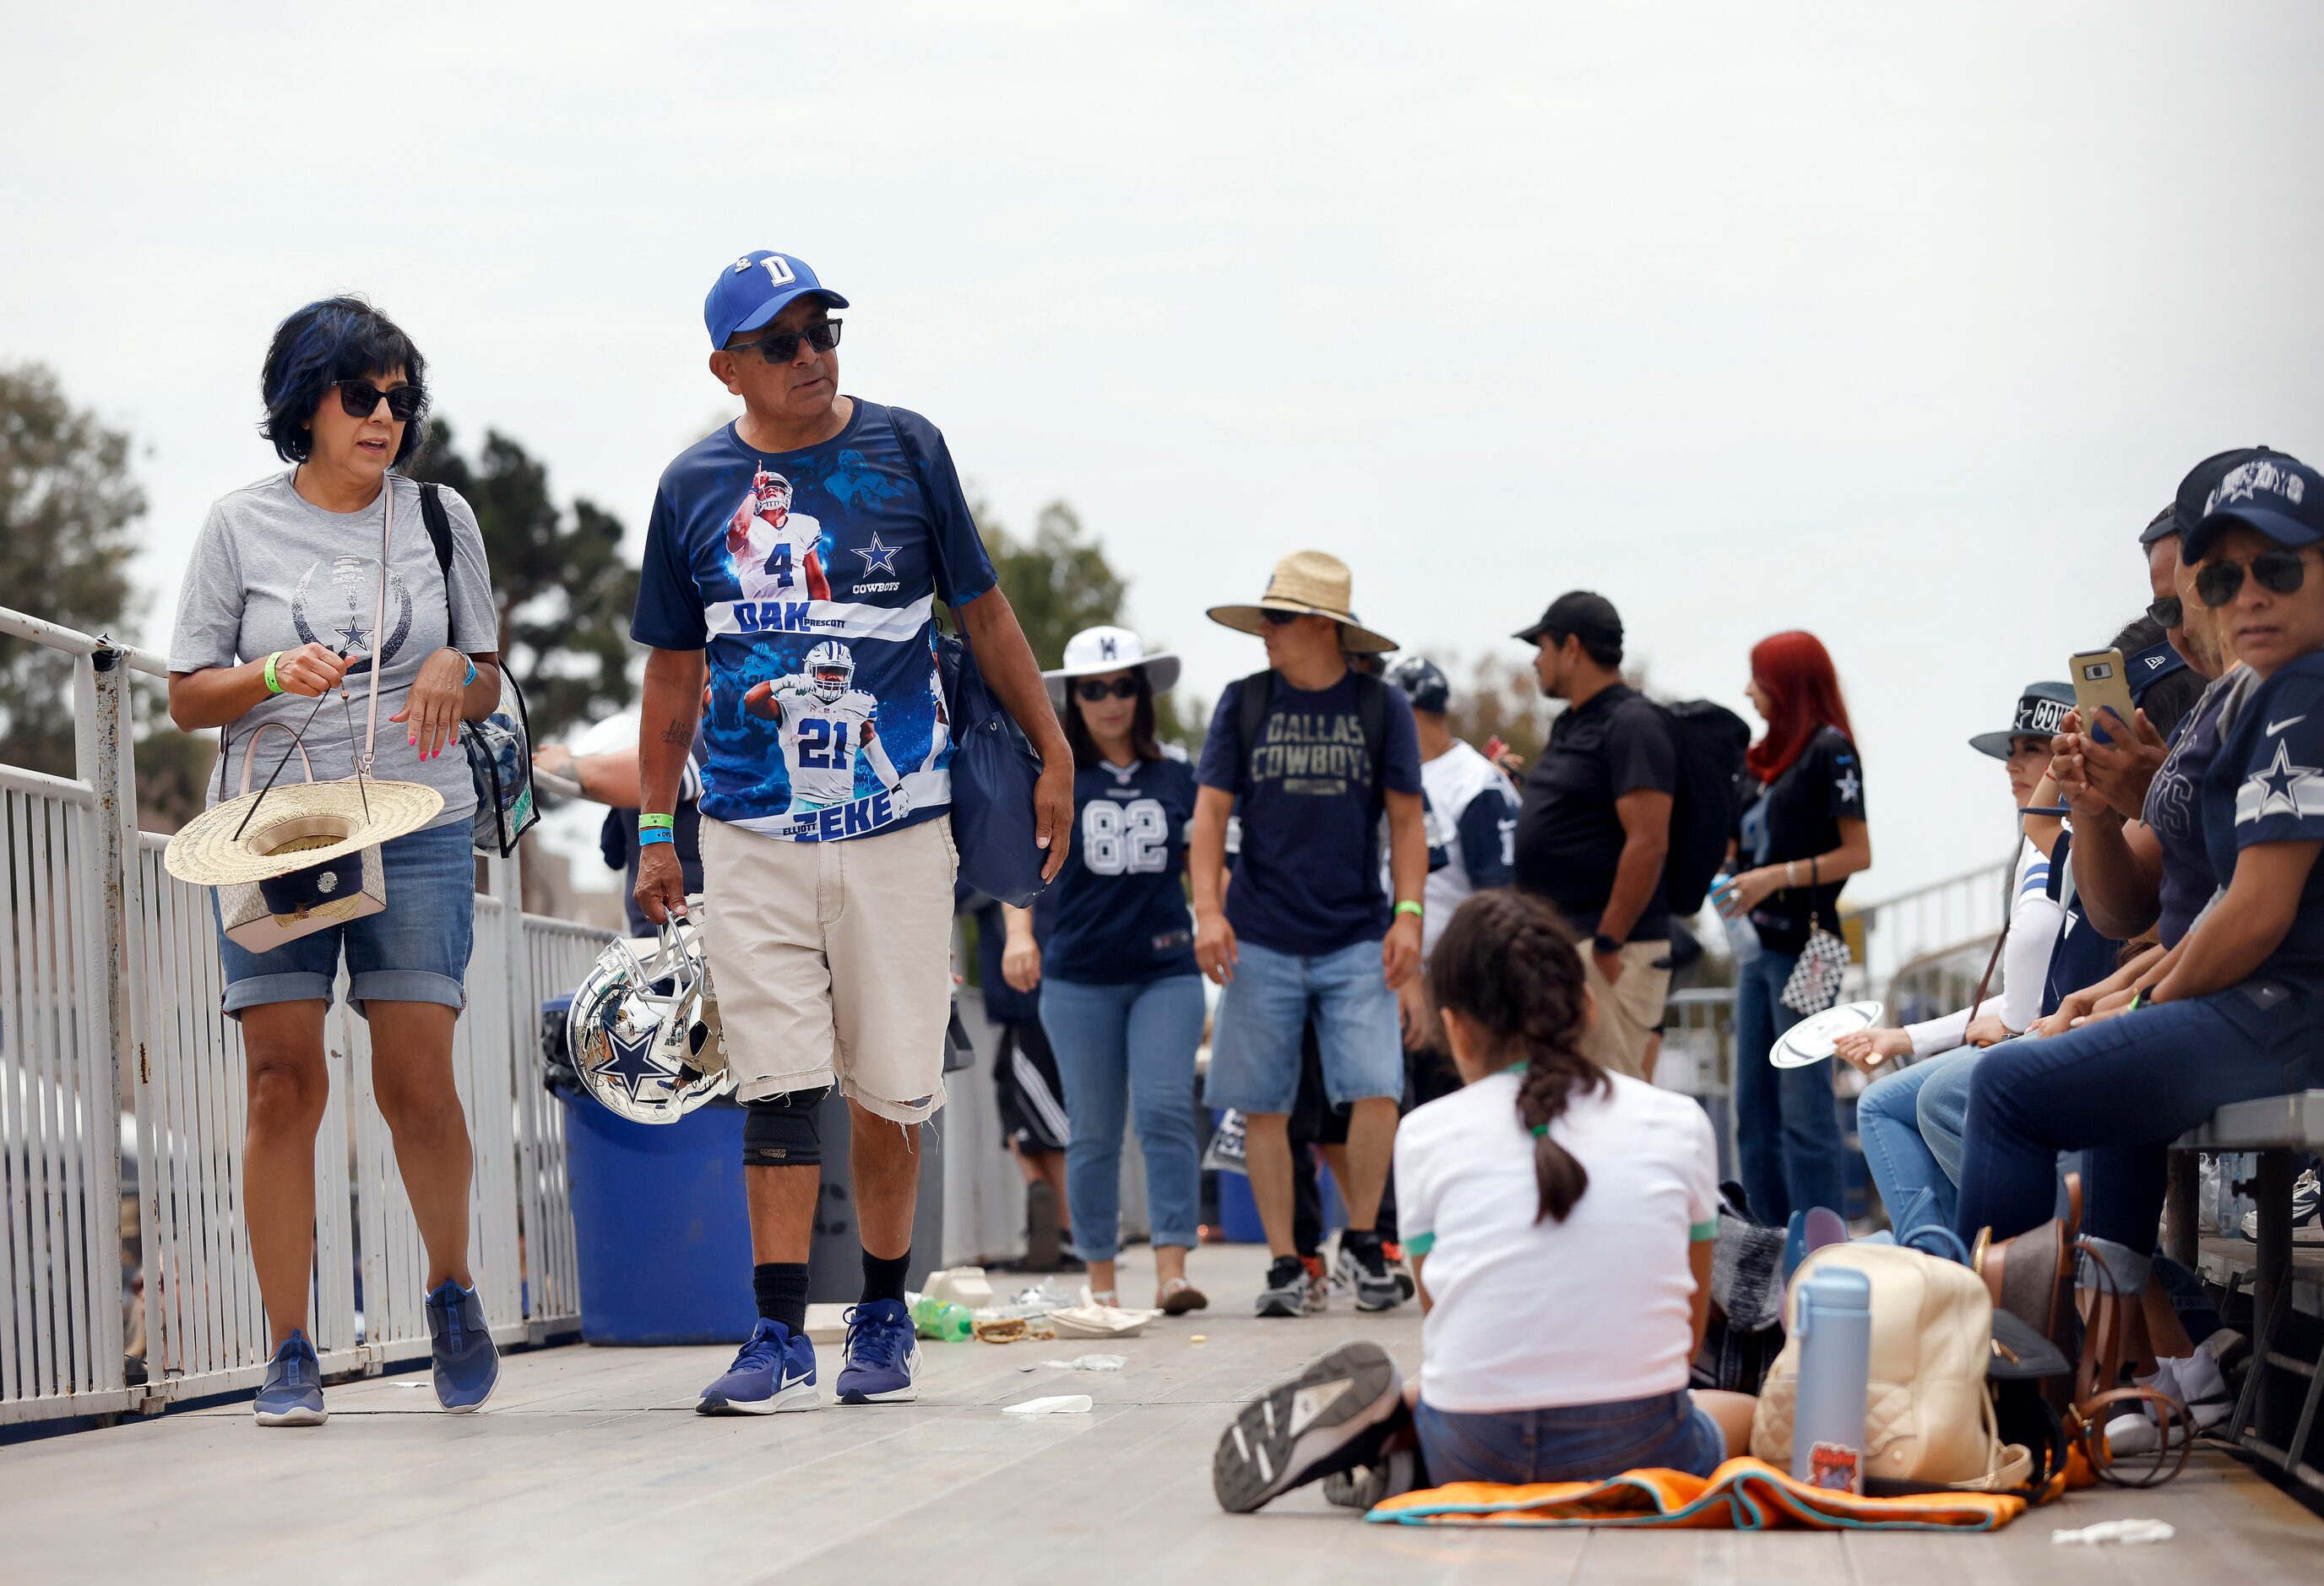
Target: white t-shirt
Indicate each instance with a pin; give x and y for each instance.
(1533, 1315)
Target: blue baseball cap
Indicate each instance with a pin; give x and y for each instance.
(1423, 683)
(754, 289)
(2282, 497)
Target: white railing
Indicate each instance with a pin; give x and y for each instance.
(109, 997)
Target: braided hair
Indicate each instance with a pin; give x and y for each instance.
(1507, 965)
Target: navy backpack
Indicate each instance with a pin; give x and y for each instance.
(994, 773)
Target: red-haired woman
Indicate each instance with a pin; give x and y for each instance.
(1802, 838)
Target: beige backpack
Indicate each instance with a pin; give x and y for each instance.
(1929, 1414)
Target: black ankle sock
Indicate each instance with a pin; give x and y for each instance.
(884, 1279)
(780, 1287)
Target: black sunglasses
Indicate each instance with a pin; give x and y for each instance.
(1276, 619)
(1096, 689)
(360, 399)
(2169, 612)
(2281, 571)
(783, 345)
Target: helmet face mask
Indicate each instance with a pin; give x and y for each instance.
(643, 1031)
(831, 670)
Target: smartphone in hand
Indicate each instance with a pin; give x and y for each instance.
(2101, 686)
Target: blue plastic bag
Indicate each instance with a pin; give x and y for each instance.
(994, 771)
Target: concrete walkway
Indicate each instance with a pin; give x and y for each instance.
(589, 1465)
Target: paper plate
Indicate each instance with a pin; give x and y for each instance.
(1811, 1041)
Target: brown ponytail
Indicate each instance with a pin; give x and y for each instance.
(1507, 965)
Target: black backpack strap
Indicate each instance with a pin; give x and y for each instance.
(439, 534)
(1371, 716)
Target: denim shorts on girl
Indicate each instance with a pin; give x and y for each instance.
(415, 949)
(1573, 1443)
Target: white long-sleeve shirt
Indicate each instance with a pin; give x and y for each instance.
(2034, 921)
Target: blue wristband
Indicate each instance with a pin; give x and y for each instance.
(472, 671)
(651, 836)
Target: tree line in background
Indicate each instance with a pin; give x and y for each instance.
(69, 508)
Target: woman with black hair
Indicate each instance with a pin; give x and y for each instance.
(277, 612)
(1561, 1218)
(1120, 997)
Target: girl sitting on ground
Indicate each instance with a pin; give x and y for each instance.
(1561, 1222)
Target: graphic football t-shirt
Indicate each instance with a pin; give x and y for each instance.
(810, 577)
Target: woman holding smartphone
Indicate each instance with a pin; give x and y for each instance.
(1802, 835)
(1120, 997)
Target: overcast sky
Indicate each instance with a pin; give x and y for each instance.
(1894, 324)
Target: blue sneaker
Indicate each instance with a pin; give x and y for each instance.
(293, 1392)
(883, 1355)
(467, 1362)
(772, 1373)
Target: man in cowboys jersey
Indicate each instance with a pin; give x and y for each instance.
(776, 553)
(823, 720)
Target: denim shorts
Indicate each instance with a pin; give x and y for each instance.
(1575, 1443)
(1255, 1047)
(415, 949)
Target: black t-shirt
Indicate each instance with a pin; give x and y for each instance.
(1569, 837)
(1797, 817)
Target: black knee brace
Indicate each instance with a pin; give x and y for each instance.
(781, 1131)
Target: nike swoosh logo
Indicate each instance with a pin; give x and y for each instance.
(2275, 727)
(795, 1381)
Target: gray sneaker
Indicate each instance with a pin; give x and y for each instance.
(1364, 1268)
(293, 1392)
(1286, 1293)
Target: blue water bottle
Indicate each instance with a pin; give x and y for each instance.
(1742, 941)
(1833, 1324)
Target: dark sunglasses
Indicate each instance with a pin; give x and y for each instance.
(1276, 619)
(2280, 571)
(2169, 612)
(1095, 690)
(360, 399)
(783, 345)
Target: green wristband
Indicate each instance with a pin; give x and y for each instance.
(648, 823)
(273, 683)
(1410, 907)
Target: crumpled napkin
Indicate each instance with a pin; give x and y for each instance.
(2128, 1532)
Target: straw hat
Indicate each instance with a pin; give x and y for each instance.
(1308, 584)
(1093, 650)
(300, 825)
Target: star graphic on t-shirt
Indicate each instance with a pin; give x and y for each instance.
(2280, 782)
(1848, 786)
(879, 558)
(352, 635)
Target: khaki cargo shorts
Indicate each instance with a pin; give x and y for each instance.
(1629, 1010)
(833, 962)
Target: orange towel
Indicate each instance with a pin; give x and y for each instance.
(1742, 1495)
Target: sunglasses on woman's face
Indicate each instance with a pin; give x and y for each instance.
(360, 399)
(2280, 571)
(1096, 690)
(783, 345)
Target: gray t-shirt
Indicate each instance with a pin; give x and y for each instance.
(271, 570)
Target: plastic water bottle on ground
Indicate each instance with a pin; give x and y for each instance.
(941, 1320)
(1834, 1326)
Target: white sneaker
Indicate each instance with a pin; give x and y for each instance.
(2306, 1198)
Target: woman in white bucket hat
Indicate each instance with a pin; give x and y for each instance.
(298, 585)
(1121, 1001)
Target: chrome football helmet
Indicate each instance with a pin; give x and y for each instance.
(831, 670)
(643, 1033)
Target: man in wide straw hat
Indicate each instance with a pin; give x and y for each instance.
(1313, 753)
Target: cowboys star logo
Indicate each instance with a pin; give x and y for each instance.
(2283, 789)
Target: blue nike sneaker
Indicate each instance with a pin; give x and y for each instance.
(293, 1392)
(882, 1363)
(773, 1373)
(467, 1362)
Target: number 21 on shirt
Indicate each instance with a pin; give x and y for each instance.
(1119, 839)
(822, 744)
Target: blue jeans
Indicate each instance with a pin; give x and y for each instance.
(1115, 1045)
(1912, 1179)
(415, 949)
(1942, 1114)
(1255, 1047)
(1786, 1119)
(1575, 1443)
(2122, 1091)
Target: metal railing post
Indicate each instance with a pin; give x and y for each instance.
(107, 765)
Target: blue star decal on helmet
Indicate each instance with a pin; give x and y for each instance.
(879, 558)
(630, 1062)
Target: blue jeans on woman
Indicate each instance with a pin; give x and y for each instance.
(1787, 1121)
(2123, 1090)
(1573, 1443)
(1116, 1044)
(1912, 1179)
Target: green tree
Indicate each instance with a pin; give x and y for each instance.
(68, 507)
(564, 587)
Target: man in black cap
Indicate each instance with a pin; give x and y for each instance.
(1595, 825)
